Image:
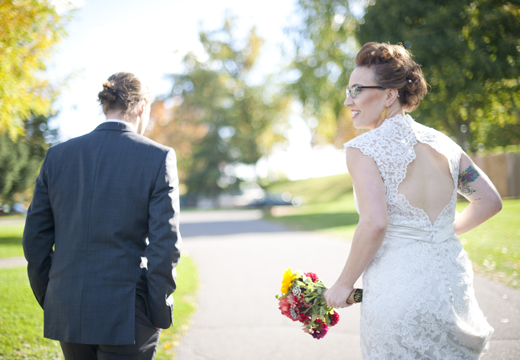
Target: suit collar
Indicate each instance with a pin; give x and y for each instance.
(115, 126)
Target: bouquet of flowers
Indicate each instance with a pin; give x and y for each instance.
(302, 300)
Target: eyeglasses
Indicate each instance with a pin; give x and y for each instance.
(354, 90)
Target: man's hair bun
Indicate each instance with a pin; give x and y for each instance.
(108, 94)
(122, 91)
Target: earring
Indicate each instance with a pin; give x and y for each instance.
(384, 114)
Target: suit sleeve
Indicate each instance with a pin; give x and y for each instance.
(163, 250)
(38, 236)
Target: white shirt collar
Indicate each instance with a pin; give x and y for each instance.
(132, 127)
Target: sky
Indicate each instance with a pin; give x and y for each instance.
(150, 38)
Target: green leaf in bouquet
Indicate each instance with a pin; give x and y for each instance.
(314, 316)
(322, 312)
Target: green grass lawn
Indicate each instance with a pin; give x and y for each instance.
(11, 231)
(185, 305)
(317, 190)
(494, 247)
(21, 318)
(337, 217)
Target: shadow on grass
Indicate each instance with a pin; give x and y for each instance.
(11, 241)
(10, 246)
(321, 221)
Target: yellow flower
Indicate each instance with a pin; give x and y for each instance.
(287, 280)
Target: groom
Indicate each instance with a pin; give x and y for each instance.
(101, 238)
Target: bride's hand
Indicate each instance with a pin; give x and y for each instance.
(337, 295)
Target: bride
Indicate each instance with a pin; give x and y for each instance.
(418, 300)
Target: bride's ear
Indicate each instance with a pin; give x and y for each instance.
(391, 96)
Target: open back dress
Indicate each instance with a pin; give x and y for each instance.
(418, 301)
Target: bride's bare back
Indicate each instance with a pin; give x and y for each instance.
(428, 184)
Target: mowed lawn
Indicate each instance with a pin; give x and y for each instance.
(11, 230)
(21, 318)
(494, 247)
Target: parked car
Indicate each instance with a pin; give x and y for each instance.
(272, 200)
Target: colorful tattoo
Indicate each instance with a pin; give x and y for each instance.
(467, 176)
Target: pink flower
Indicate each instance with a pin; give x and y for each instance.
(313, 276)
(292, 301)
(285, 308)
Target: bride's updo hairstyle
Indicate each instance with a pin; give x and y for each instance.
(394, 68)
(122, 91)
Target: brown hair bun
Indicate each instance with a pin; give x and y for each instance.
(122, 91)
(394, 68)
(108, 94)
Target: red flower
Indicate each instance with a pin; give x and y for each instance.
(313, 276)
(304, 318)
(334, 318)
(285, 307)
(320, 329)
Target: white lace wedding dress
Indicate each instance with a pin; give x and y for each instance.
(418, 301)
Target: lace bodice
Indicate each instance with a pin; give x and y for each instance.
(391, 146)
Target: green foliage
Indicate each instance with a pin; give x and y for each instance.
(470, 53)
(318, 75)
(29, 30)
(20, 159)
(234, 118)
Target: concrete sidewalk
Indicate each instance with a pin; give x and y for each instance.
(12, 262)
(241, 259)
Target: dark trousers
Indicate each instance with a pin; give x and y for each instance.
(144, 348)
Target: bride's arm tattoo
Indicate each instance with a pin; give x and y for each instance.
(467, 176)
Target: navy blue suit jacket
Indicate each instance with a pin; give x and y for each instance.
(101, 202)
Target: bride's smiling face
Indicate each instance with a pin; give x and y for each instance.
(367, 104)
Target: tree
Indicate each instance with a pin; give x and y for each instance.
(29, 30)
(214, 116)
(324, 51)
(470, 53)
(20, 159)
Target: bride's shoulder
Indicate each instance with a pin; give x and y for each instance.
(362, 142)
(437, 139)
(367, 143)
(426, 132)
(370, 138)
(366, 138)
